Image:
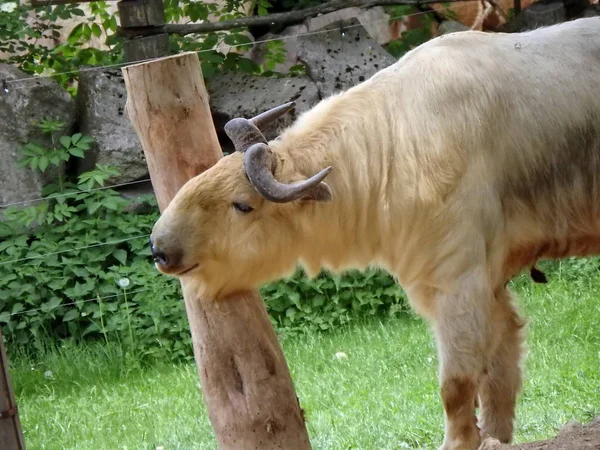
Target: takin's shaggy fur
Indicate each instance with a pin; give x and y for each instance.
(463, 163)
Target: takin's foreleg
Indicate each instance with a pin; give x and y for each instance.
(502, 382)
(464, 333)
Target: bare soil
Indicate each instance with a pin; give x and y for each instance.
(573, 436)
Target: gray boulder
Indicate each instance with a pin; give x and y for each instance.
(101, 98)
(27, 103)
(341, 58)
(234, 94)
(289, 47)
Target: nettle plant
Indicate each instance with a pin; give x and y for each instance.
(76, 266)
(25, 33)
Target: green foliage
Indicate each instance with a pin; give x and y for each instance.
(330, 300)
(76, 266)
(372, 385)
(411, 38)
(65, 262)
(20, 39)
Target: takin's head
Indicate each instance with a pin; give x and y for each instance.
(235, 226)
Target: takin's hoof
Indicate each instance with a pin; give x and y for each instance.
(469, 444)
(491, 444)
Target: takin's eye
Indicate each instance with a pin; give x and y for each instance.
(242, 207)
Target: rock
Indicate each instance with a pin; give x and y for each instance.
(573, 436)
(25, 104)
(592, 10)
(451, 26)
(375, 21)
(338, 60)
(544, 14)
(289, 45)
(101, 98)
(234, 94)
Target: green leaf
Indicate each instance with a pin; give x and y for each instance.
(76, 151)
(71, 315)
(121, 255)
(17, 308)
(52, 304)
(65, 141)
(96, 30)
(43, 163)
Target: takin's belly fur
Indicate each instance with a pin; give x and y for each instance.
(523, 256)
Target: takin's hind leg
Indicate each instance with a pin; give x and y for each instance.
(502, 382)
(462, 327)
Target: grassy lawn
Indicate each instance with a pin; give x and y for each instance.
(382, 395)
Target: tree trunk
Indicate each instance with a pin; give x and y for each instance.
(11, 435)
(245, 379)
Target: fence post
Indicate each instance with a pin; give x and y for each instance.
(144, 21)
(245, 379)
(11, 435)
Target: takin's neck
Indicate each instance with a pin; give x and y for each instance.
(349, 231)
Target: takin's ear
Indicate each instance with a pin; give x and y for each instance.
(320, 193)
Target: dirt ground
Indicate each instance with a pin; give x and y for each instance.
(573, 436)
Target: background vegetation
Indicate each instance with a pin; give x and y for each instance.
(99, 341)
(76, 268)
(21, 38)
(369, 385)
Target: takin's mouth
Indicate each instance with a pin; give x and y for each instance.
(172, 272)
(189, 269)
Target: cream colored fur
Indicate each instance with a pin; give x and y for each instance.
(454, 169)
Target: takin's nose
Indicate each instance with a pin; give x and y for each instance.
(161, 257)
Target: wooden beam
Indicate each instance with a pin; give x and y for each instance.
(145, 17)
(62, 2)
(289, 17)
(245, 379)
(11, 435)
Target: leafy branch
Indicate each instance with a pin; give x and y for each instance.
(284, 18)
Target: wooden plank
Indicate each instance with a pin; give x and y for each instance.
(62, 2)
(143, 17)
(11, 435)
(245, 379)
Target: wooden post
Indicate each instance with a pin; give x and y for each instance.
(245, 379)
(11, 435)
(146, 18)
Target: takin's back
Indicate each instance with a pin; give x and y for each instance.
(515, 117)
(520, 111)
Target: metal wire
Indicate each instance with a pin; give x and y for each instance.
(99, 244)
(260, 41)
(69, 194)
(76, 302)
(5, 84)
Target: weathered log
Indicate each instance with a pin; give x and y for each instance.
(544, 14)
(144, 21)
(245, 379)
(11, 435)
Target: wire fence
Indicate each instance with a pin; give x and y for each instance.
(6, 88)
(7, 82)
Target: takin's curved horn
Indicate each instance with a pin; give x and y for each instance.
(244, 133)
(257, 163)
(266, 118)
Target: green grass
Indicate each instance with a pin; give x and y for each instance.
(382, 396)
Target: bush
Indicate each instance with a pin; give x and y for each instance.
(82, 270)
